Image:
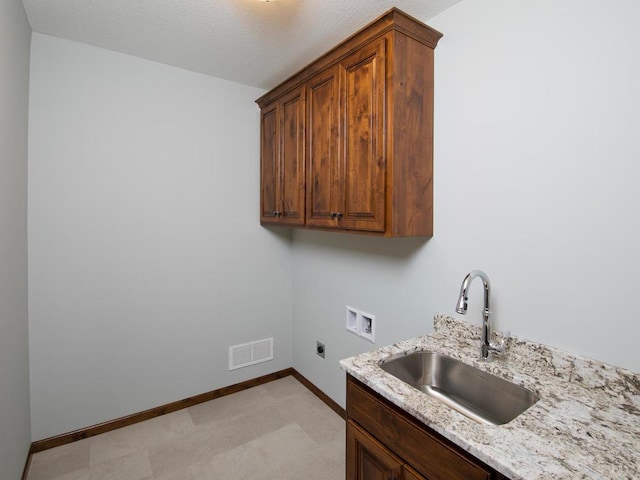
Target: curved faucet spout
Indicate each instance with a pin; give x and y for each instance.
(486, 346)
(466, 283)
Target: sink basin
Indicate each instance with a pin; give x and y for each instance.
(478, 395)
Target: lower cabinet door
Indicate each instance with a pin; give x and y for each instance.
(368, 459)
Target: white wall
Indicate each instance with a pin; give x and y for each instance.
(147, 259)
(15, 439)
(536, 182)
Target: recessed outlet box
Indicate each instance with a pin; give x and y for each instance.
(353, 319)
(361, 323)
(320, 349)
(368, 326)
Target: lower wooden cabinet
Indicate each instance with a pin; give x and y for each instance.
(409, 473)
(368, 459)
(386, 443)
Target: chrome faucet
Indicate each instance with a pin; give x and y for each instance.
(487, 346)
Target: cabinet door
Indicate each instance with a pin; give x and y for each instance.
(368, 459)
(282, 160)
(323, 162)
(362, 139)
(291, 188)
(269, 164)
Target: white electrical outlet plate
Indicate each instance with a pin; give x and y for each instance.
(353, 320)
(368, 326)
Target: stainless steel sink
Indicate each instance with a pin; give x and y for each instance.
(478, 395)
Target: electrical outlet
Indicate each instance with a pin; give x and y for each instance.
(320, 349)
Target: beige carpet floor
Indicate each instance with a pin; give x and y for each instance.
(276, 431)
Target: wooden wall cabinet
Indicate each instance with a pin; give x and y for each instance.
(346, 174)
(383, 442)
(282, 141)
(367, 128)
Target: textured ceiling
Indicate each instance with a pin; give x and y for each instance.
(252, 42)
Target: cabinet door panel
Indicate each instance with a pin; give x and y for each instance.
(269, 164)
(322, 149)
(292, 158)
(368, 459)
(363, 139)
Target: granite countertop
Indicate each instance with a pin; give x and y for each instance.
(585, 425)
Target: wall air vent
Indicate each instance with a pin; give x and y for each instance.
(250, 353)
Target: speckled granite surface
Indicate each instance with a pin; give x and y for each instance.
(585, 425)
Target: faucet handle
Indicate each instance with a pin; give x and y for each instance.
(499, 347)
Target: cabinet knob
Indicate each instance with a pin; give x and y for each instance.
(277, 213)
(338, 214)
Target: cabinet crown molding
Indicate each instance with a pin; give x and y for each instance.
(392, 20)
